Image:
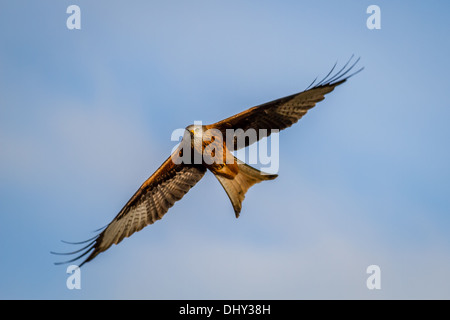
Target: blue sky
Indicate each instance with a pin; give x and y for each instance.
(86, 116)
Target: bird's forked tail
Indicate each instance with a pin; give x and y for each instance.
(238, 186)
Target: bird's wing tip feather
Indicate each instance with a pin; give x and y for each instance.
(86, 249)
(340, 76)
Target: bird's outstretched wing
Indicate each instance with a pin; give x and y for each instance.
(152, 200)
(284, 112)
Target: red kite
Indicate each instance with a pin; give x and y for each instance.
(175, 178)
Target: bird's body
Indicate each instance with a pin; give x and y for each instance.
(210, 147)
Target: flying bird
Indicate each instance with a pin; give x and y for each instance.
(176, 176)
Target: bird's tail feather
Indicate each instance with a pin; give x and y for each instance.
(239, 185)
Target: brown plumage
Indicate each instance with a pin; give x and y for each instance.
(176, 177)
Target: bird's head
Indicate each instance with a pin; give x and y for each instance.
(194, 135)
(194, 130)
